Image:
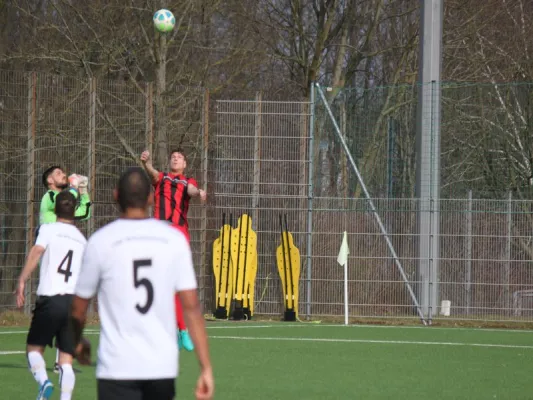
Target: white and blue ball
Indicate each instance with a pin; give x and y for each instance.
(164, 21)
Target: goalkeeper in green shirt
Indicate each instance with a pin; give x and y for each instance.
(55, 180)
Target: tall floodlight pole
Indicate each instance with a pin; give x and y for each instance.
(428, 154)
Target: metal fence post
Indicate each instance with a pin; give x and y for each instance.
(257, 161)
(507, 268)
(92, 161)
(469, 254)
(205, 177)
(302, 181)
(428, 166)
(149, 116)
(310, 203)
(92, 147)
(30, 185)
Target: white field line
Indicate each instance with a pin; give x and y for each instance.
(302, 339)
(93, 331)
(255, 326)
(438, 328)
(296, 339)
(355, 326)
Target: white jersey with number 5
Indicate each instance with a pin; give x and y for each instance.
(136, 267)
(60, 266)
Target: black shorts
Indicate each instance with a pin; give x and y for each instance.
(51, 320)
(160, 389)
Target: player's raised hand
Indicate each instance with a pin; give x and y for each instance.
(19, 294)
(74, 181)
(83, 183)
(205, 386)
(145, 156)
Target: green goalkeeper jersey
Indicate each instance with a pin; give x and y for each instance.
(47, 213)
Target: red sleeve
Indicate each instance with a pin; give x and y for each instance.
(192, 181)
(159, 179)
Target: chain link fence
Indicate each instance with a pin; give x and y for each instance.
(95, 128)
(273, 158)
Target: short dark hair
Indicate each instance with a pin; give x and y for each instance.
(133, 189)
(178, 150)
(48, 172)
(65, 205)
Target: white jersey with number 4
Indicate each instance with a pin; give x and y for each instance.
(136, 267)
(61, 262)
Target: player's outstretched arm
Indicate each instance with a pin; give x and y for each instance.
(148, 167)
(192, 312)
(32, 261)
(193, 191)
(83, 212)
(78, 187)
(86, 288)
(78, 318)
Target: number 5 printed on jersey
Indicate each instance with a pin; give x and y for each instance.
(143, 282)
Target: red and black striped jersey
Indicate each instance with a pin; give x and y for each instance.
(171, 200)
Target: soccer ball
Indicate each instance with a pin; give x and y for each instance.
(164, 21)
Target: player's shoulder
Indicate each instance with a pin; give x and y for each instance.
(49, 195)
(190, 180)
(160, 176)
(62, 227)
(46, 228)
(104, 232)
(51, 227)
(169, 232)
(164, 227)
(76, 232)
(121, 227)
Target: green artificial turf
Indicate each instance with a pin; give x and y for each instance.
(255, 360)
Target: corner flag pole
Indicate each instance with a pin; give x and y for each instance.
(342, 259)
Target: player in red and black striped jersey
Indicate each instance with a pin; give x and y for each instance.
(173, 190)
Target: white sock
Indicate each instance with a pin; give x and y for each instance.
(37, 367)
(67, 379)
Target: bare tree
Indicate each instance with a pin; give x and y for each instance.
(486, 136)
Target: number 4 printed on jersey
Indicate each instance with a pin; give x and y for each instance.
(67, 260)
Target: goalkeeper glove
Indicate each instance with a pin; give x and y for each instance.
(83, 183)
(74, 181)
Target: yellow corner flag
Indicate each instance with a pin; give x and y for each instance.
(344, 251)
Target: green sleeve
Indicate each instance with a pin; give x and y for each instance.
(83, 212)
(47, 213)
